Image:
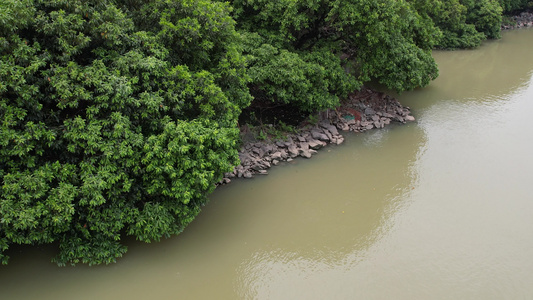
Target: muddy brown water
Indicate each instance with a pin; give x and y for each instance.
(437, 209)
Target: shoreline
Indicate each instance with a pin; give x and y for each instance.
(363, 110)
(524, 19)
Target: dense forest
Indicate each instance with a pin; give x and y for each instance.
(119, 116)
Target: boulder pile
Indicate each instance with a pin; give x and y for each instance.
(524, 19)
(364, 110)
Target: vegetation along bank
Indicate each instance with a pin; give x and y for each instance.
(120, 116)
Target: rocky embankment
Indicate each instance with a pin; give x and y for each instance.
(524, 19)
(363, 110)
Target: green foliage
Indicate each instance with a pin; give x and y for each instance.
(486, 15)
(509, 6)
(311, 53)
(117, 118)
(463, 23)
(310, 80)
(391, 41)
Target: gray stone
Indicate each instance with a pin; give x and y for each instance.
(315, 144)
(258, 151)
(306, 153)
(328, 134)
(281, 144)
(276, 155)
(257, 167)
(317, 135)
(330, 128)
(369, 111)
(409, 118)
(284, 154)
(293, 151)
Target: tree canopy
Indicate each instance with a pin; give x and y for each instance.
(117, 118)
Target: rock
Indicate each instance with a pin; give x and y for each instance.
(409, 118)
(304, 146)
(244, 157)
(226, 180)
(284, 154)
(340, 140)
(301, 138)
(247, 174)
(276, 156)
(275, 162)
(305, 153)
(257, 167)
(258, 151)
(315, 144)
(281, 144)
(330, 128)
(328, 134)
(317, 135)
(369, 111)
(262, 172)
(293, 151)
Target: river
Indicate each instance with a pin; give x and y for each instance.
(437, 209)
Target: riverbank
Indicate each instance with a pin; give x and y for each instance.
(363, 110)
(524, 19)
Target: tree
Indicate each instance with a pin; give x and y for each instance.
(313, 53)
(118, 118)
(509, 6)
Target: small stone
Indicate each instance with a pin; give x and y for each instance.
(281, 144)
(315, 144)
(319, 135)
(293, 151)
(306, 153)
(369, 111)
(330, 128)
(276, 155)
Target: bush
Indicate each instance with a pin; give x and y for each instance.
(118, 118)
